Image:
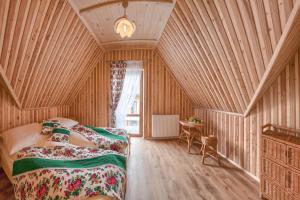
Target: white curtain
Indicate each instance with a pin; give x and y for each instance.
(129, 92)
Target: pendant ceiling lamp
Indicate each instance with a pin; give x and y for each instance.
(123, 25)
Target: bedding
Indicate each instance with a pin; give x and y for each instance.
(60, 134)
(66, 122)
(48, 125)
(17, 138)
(7, 159)
(109, 139)
(68, 172)
(79, 140)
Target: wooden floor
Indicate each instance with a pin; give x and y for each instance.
(162, 170)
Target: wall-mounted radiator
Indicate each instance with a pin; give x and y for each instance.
(165, 126)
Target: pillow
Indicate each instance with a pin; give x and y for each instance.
(80, 140)
(48, 125)
(60, 134)
(23, 136)
(66, 122)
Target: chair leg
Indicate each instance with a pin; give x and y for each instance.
(201, 150)
(189, 143)
(204, 153)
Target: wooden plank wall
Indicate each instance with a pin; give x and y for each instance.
(162, 93)
(239, 137)
(91, 104)
(219, 50)
(44, 50)
(11, 116)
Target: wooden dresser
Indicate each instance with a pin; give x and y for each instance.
(280, 163)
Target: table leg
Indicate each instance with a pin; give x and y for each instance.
(189, 143)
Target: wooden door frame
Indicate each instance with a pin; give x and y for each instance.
(141, 133)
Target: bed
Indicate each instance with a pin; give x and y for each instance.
(36, 151)
(105, 138)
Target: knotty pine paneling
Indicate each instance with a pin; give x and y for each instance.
(44, 50)
(219, 50)
(91, 104)
(11, 116)
(239, 137)
(150, 19)
(162, 93)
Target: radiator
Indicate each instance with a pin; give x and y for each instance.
(165, 126)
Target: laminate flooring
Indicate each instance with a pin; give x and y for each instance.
(162, 170)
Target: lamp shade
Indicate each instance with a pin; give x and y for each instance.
(124, 27)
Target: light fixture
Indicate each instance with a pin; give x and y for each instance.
(123, 25)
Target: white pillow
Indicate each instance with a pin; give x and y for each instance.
(66, 122)
(79, 140)
(23, 136)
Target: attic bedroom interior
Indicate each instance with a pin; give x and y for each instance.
(149, 99)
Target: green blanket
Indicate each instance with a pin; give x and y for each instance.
(30, 164)
(68, 172)
(107, 134)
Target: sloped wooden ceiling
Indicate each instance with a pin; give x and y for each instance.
(45, 50)
(149, 16)
(219, 50)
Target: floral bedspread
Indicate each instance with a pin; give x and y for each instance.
(105, 138)
(67, 172)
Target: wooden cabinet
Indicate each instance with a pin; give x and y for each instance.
(280, 163)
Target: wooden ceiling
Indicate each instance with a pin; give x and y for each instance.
(219, 50)
(45, 50)
(150, 18)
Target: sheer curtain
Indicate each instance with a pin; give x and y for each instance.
(129, 92)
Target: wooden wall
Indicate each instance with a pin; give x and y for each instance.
(219, 50)
(239, 137)
(44, 50)
(11, 116)
(162, 93)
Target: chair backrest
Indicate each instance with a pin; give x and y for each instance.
(210, 141)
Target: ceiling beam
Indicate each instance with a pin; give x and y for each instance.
(102, 4)
(5, 82)
(287, 46)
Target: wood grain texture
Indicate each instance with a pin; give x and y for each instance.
(239, 137)
(11, 116)
(219, 50)
(150, 18)
(288, 43)
(44, 50)
(6, 85)
(176, 175)
(162, 93)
